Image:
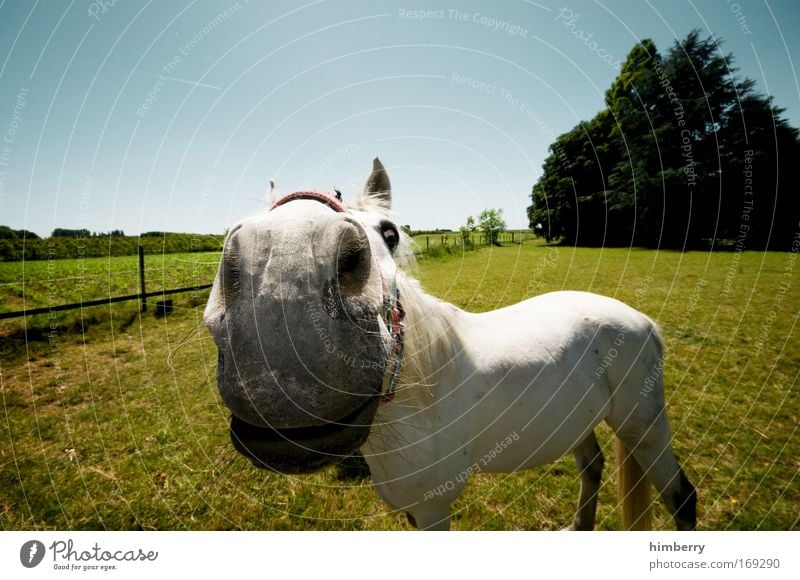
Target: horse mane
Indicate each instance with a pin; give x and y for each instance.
(431, 340)
(374, 203)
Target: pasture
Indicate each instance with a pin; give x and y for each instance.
(116, 423)
(42, 283)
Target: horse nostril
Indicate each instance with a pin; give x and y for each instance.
(349, 260)
(353, 260)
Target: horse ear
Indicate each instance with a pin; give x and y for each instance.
(273, 193)
(378, 190)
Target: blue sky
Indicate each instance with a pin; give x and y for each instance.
(173, 116)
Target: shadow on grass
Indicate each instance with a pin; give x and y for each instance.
(352, 468)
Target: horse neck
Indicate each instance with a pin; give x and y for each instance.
(432, 343)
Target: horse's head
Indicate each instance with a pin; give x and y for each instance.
(305, 315)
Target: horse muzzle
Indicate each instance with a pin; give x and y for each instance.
(303, 449)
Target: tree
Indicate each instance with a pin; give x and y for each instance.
(572, 197)
(468, 229)
(491, 223)
(67, 233)
(27, 234)
(466, 232)
(640, 107)
(685, 155)
(7, 233)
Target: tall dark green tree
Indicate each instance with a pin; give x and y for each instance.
(685, 155)
(638, 105)
(703, 83)
(759, 176)
(571, 201)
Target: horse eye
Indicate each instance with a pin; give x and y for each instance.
(390, 235)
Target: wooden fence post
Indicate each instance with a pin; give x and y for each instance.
(141, 280)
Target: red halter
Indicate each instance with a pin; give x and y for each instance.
(394, 313)
(321, 196)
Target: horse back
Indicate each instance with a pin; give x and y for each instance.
(546, 371)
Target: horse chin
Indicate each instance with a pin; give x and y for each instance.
(303, 449)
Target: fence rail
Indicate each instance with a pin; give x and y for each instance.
(99, 302)
(450, 240)
(455, 240)
(141, 296)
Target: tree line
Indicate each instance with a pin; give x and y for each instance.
(16, 245)
(685, 155)
(84, 233)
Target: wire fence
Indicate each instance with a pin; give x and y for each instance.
(141, 296)
(426, 245)
(433, 244)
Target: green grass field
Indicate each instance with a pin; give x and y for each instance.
(34, 284)
(120, 426)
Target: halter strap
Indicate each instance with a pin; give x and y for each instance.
(320, 196)
(394, 317)
(394, 314)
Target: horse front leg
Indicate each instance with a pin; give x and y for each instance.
(589, 458)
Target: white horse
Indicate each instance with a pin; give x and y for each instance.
(326, 346)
